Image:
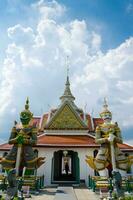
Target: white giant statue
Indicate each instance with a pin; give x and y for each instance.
(108, 135)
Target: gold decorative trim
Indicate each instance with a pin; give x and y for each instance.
(31, 161)
(8, 161)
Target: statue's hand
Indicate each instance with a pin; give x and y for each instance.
(26, 141)
(111, 137)
(13, 141)
(20, 139)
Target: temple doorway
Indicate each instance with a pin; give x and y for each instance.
(65, 167)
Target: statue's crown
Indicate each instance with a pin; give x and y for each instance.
(26, 115)
(105, 112)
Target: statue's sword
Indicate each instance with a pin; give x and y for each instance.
(18, 158)
(19, 152)
(113, 155)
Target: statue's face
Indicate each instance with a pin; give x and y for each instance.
(25, 117)
(107, 117)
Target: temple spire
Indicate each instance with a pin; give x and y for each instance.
(67, 95)
(67, 65)
(105, 104)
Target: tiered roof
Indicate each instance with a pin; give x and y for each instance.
(90, 122)
(78, 141)
(66, 126)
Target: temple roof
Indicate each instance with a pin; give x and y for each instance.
(96, 122)
(70, 141)
(35, 121)
(86, 141)
(66, 118)
(41, 121)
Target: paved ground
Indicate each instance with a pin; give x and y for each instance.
(85, 194)
(46, 194)
(65, 193)
(81, 194)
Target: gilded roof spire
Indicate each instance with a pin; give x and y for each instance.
(67, 65)
(67, 92)
(27, 104)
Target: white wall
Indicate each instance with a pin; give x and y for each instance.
(45, 169)
(85, 170)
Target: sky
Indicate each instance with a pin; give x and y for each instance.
(37, 36)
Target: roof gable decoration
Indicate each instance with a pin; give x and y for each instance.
(66, 118)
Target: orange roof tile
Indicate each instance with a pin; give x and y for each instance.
(97, 121)
(35, 121)
(125, 146)
(44, 120)
(5, 146)
(88, 117)
(60, 140)
(67, 141)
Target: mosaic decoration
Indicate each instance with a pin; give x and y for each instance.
(66, 119)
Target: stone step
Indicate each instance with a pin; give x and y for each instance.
(65, 193)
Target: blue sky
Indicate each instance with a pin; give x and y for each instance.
(113, 18)
(36, 36)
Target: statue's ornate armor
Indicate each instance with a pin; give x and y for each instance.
(103, 158)
(109, 155)
(23, 137)
(28, 157)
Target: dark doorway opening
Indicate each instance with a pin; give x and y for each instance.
(65, 167)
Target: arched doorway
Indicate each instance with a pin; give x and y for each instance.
(65, 167)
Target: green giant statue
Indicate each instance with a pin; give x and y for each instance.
(23, 138)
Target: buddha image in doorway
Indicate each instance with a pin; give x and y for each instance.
(66, 165)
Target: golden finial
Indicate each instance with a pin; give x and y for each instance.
(67, 65)
(27, 104)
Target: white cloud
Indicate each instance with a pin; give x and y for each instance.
(34, 65)
(110, 75)
(48, 10)
(96, 41)
(125, 85)
(21, 35)
(129, 8)
(128, 122)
